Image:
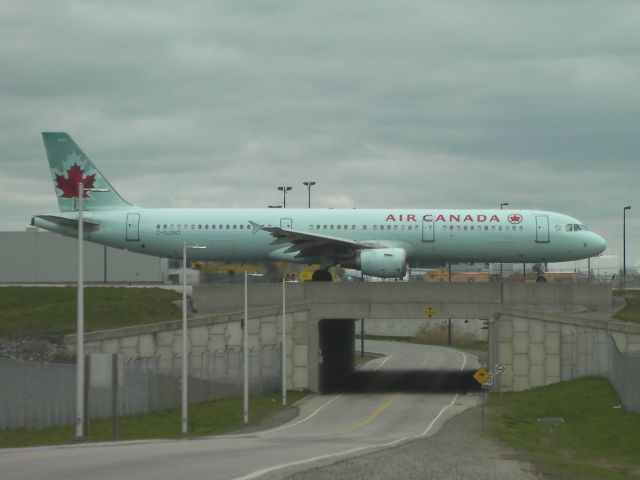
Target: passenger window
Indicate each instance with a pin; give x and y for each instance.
(353, 227)
(235, 227)
(227, 226)
(464, 228)
(403, 227)
(375, 227)
(310, 227)
(388, 227)
(521, 228)
(338, 227)
(317, 227)
(199, 227)
(500, 228)
(213, 227)
(364, 227)
(220, 227)
(241, 227)
(395, 227)
(206, 227)
(158, 226)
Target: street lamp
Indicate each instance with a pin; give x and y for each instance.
(185, 356)
(80, 413)
(309, 185)
(245, 347)
(624, 242)
(284, 191)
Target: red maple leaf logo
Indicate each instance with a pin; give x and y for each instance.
(69, 184)
(515, 218)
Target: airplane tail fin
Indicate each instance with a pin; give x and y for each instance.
(70, 166)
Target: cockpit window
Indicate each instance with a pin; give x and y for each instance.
(576, 227)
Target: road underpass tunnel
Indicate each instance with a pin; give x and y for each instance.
(337, 372)
(337, 355)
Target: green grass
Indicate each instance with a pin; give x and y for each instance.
(209, 418)
(631, 311)
(597, 440)
(36, 312)
(435, 337)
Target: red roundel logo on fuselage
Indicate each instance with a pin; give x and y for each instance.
(515, 218)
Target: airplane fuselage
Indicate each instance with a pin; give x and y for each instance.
(437, 235)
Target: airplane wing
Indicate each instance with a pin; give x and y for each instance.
(309, 244)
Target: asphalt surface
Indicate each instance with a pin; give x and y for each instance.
(329, 429)
(460, 451)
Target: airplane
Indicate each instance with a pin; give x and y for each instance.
(377, 242)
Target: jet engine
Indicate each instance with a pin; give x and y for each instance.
(383, 262)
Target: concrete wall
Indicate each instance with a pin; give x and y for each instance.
(540, 348)
(211, 334)
(407, 300)
(44, 257)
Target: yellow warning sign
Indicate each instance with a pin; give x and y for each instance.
(482, 375)
(430, 312)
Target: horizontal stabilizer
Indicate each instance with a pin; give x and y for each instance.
(65, 222)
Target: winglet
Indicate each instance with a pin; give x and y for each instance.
(256, 227)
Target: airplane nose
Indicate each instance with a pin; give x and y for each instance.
(598, 244)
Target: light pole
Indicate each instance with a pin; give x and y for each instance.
(284, 344)
(624, 242)
(505, 204)
(284, 191)
(309, 185)
(80, 413)
(185, 356)
(245, 347)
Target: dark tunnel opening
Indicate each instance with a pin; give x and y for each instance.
(337, 373)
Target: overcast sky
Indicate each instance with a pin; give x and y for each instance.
(384, 104)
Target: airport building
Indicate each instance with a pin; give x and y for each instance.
(35, 256)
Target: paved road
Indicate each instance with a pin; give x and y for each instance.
(328, 428)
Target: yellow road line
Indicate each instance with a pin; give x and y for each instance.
(373, 416)
(425, 361)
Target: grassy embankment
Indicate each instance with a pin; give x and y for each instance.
(41, 312)
(598, 439)
(209, 418)
(631, 311)
(37, 312)
(439, 336)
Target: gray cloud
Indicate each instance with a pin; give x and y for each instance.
(402, 104)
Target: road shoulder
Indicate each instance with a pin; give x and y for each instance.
(460, 450)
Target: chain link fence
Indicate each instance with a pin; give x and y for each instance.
(36, 396)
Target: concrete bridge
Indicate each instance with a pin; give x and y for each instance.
(540, 333)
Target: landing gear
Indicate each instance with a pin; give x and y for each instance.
(321, 276)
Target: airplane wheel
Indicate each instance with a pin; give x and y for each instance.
(321, 276)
